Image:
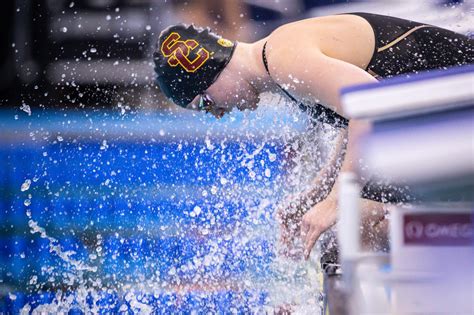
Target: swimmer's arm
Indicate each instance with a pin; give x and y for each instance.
(322, 184)
(337, 75)
(324, 214)
(291, 211)
(320, 77)
(356, 129)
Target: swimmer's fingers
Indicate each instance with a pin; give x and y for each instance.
(305, 227)
(312, 226)
(307, 234)
(309, 242)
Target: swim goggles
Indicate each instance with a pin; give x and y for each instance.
(206, 103)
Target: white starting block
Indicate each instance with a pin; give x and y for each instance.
(423, 136)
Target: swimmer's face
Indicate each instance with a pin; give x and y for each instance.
(228, 92)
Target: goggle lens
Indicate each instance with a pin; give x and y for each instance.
(205, 103)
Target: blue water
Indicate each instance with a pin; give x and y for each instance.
(143, 200)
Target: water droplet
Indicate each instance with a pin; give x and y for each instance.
(26, 108)
(104, 145)
(209, 144)
(123, 308)
(64, 29)
(27, 202)
(197, 210)
(60, 138)
(93, 50)
(268, 173)
(33, 279)
(26, 185)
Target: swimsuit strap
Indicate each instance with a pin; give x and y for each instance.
(318, 111)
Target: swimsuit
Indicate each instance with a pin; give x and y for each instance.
(404, 46)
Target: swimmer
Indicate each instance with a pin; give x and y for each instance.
(309, 61)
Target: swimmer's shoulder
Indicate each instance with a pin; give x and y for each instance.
(318, 30)
(345, 37)
(302, 32)
(286, 43)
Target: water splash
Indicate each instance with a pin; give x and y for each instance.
(26, 108)
(219, 254)
(55, 248)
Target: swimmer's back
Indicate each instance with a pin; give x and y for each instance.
(404, 46)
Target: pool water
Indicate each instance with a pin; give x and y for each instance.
(106, 213)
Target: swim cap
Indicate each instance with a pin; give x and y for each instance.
(188, 60)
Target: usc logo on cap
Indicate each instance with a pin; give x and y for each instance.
(178, 51)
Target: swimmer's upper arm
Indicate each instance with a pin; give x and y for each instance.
(307, 73)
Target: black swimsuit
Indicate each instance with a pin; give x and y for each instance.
(402, 47)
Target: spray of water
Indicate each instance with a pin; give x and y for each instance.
(236, 252)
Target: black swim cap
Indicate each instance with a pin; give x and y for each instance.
(188, 60)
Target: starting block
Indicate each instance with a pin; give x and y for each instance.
(422, 137)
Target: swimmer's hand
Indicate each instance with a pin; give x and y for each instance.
(324, 215)
(317, 220)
